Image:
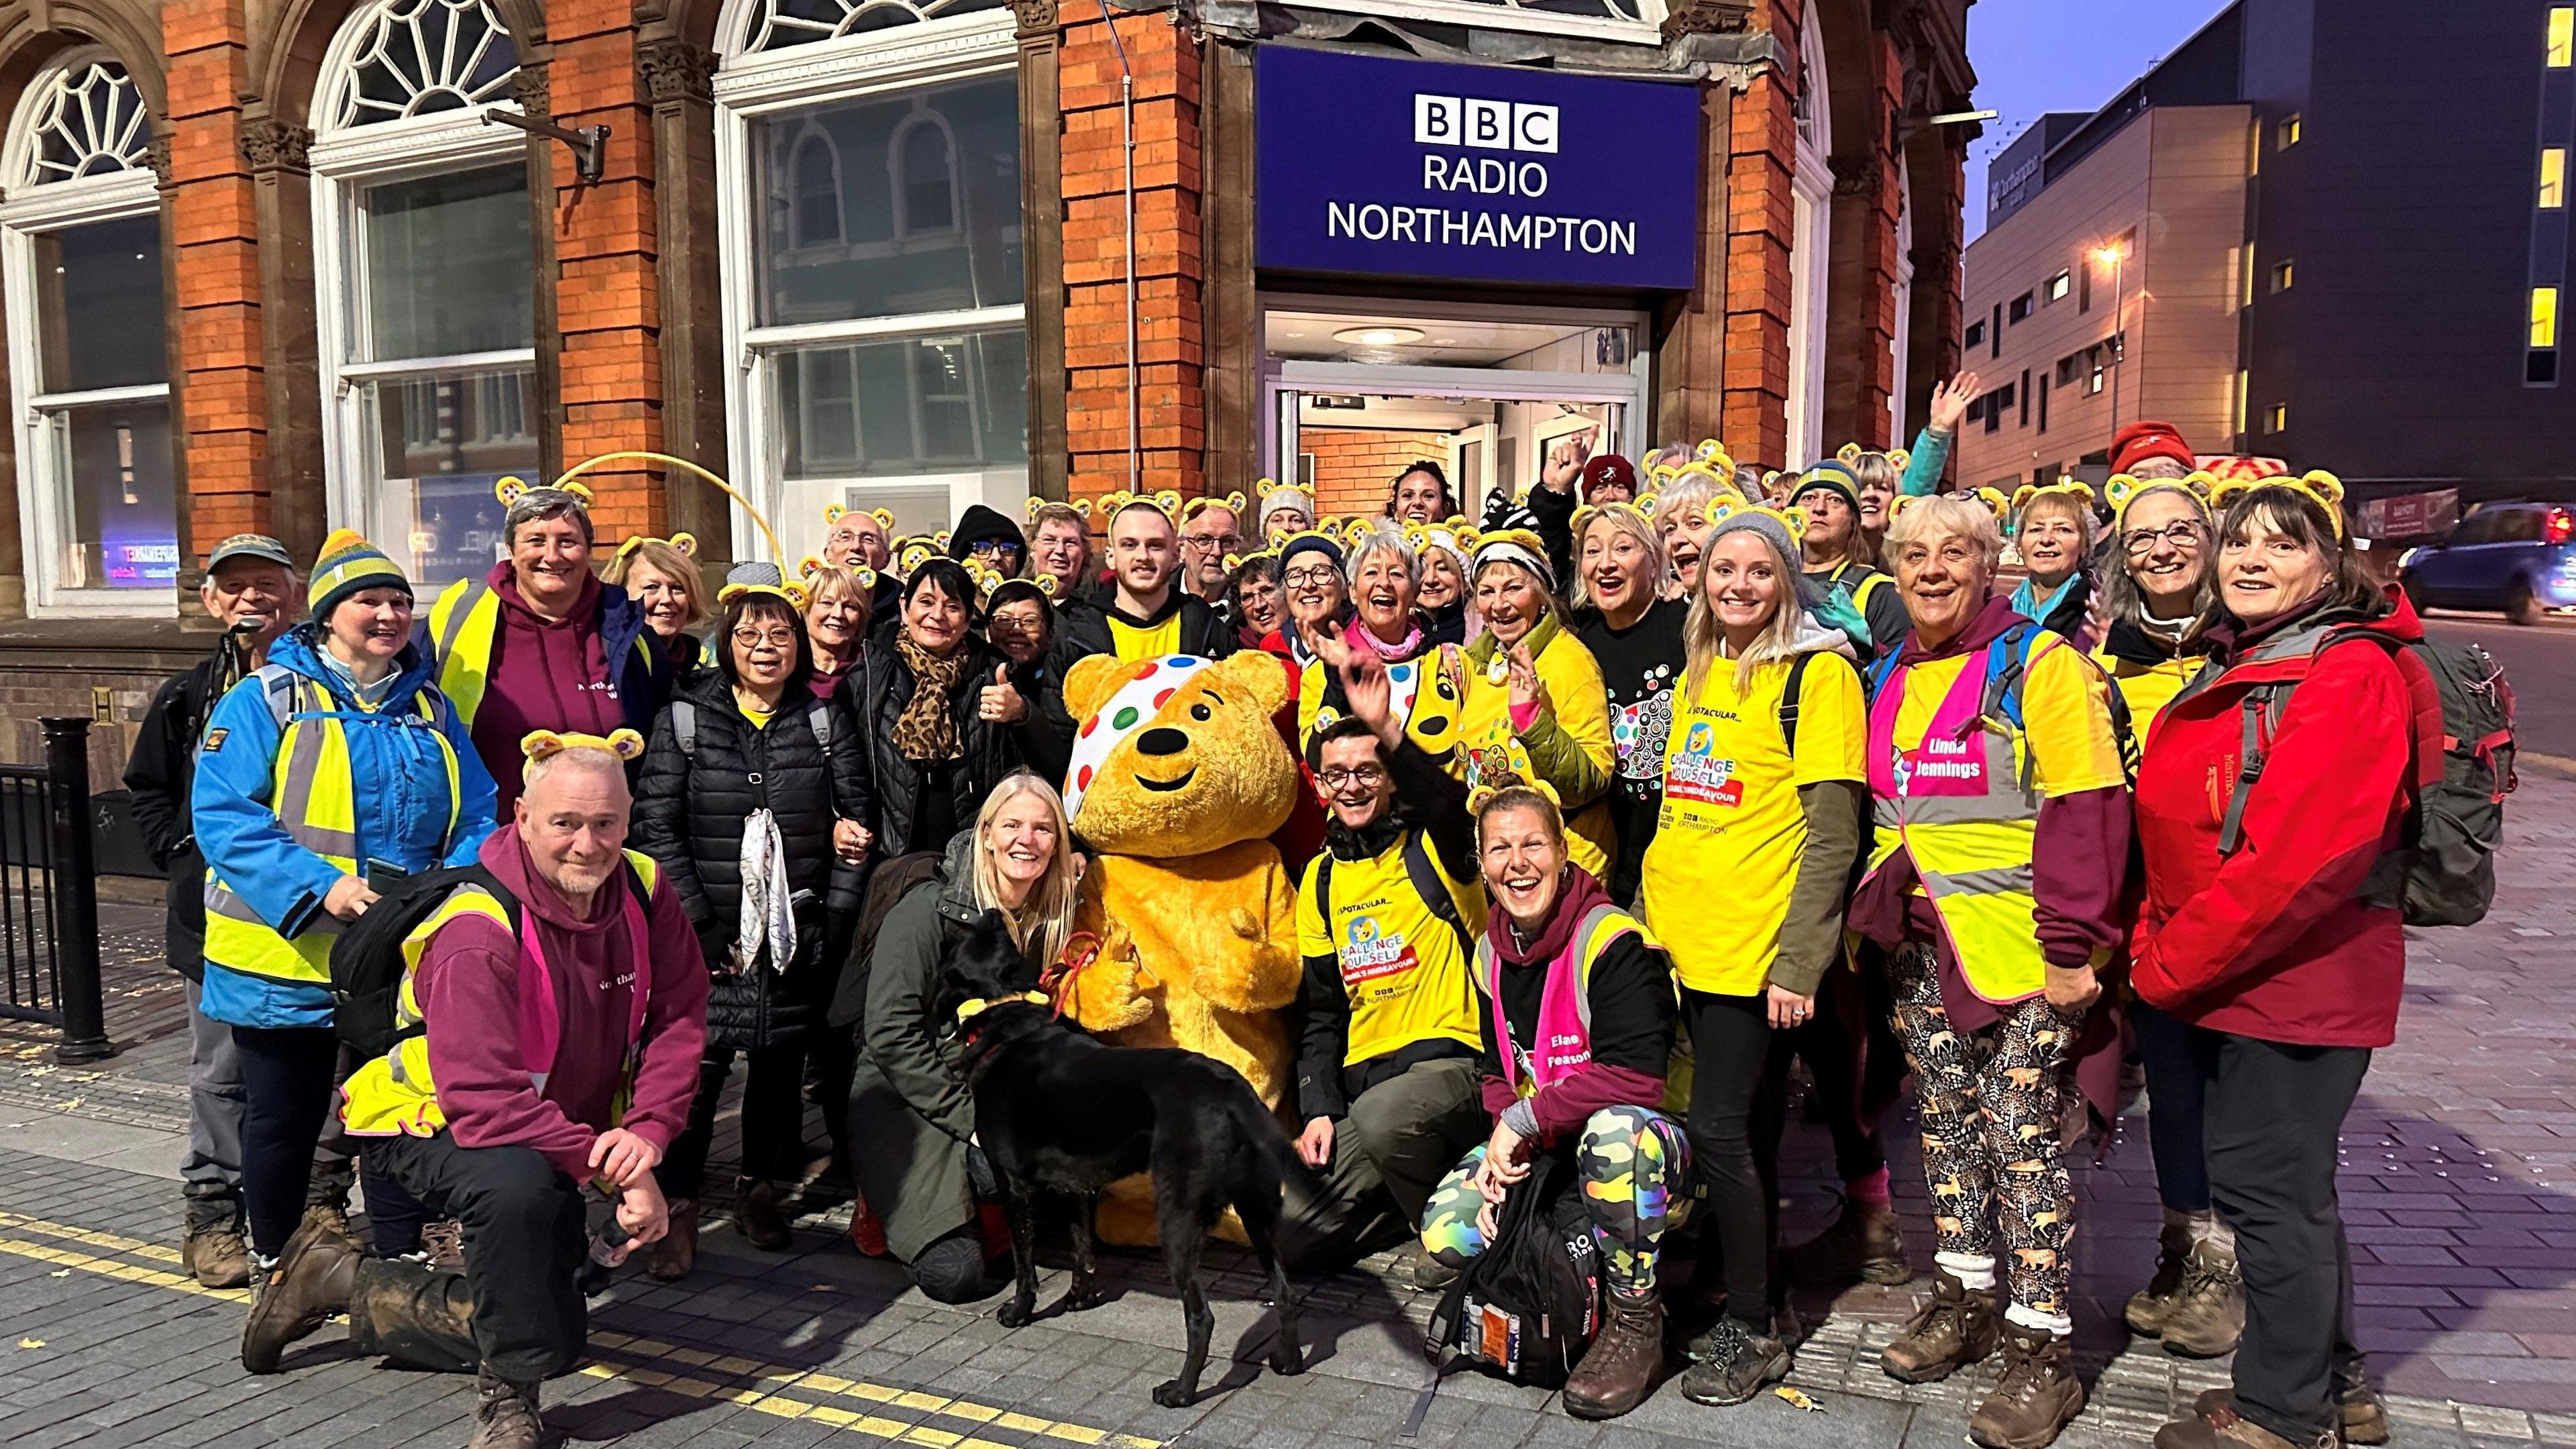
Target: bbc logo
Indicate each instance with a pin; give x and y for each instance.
(1483, 125)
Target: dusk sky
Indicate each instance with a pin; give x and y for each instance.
(2036, 56)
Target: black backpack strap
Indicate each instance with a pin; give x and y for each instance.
(1324, 889)
(1426, 884)
(1789, 704)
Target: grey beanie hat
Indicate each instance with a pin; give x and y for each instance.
(1764, 523)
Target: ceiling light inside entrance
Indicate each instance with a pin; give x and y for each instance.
(1378, 336)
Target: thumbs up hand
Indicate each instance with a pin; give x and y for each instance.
(1001, 702)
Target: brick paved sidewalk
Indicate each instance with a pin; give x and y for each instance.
(2464, 1237)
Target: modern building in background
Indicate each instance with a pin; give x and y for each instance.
(2330, 231)
(270, 265)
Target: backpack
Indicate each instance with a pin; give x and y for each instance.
(2008, 658)
(1527, 1307)
(684, 725)
(888, 884)
(2444, 872)
(367, 958)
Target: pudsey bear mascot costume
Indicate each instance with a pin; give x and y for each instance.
(1177, 779)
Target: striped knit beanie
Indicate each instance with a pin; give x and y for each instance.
(348, 564)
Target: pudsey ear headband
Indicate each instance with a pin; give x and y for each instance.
(625, 744)
(1996, 503)
(808, 566)
(794, 594)
(1078, 505)
(2076, 488)
(513, 488)
(2123, 490)
(1166, 502)
(838, 511)
(1231, 502)
(1483, 795)
(2324, 487)
(1850, 455)
(685, 544)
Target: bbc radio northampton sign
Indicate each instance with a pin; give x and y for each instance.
(1407, 168)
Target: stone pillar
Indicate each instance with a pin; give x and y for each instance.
(278, 154)
(1165, 63)
(607, 290)
(1861, 320)
(222, 437)
(1762, 157)
(678, 77)
(1690, 334)
(1041, 53)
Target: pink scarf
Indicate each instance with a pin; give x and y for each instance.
(1395, 653)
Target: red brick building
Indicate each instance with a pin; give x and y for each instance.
(269, 265)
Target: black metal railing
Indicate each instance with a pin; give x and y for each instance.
(49, 895)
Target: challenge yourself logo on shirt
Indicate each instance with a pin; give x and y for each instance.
(1699, 775)
(1372, 952)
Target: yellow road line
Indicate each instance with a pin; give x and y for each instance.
(655, 1359)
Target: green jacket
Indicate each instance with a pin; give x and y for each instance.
(908, 1101)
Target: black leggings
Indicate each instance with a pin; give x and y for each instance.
(1735, 1140)
(773, 1119)
(287, 1078)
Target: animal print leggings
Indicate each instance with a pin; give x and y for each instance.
(1990, 1104)
(1635, 1168)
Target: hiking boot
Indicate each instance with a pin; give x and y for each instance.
(2214, 1425)
(2038, 1395)
(214, 1251)
(505, 1414)
(675, 1252)
(2209, 1313)
(309, 1282)
(1428, 1273)
(1953, 1329)
(1736, 1364)
(2358, 1412)
(2359, 1416)
(756, 1213)
(329, 1217)
(2150, 1306)
(414, 1313)
(1619, 1370)
(444, 1242)
(1862, 1244)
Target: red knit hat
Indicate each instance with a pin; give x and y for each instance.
(1610, 469)
(2140, 441)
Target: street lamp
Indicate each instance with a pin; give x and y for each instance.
(2116, 257)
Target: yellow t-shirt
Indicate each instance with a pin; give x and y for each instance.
(1404, 970)
(1133, 644)
(759, 718)
(1717, 878)
(2148, 688)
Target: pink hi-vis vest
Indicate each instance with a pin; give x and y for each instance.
(1564, 1004)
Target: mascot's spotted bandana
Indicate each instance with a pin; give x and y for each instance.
(1126, 711)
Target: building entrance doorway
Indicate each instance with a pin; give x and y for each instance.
(1353, 398)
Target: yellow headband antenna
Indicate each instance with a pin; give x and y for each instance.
(777, 555)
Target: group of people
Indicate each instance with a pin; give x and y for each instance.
(1662, 777)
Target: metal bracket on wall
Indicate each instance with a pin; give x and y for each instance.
(589, 144)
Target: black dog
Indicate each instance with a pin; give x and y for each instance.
(1057, 1111)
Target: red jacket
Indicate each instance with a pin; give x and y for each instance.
(2274, 941)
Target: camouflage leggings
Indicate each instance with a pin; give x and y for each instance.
(1990, 1104)
(1635, 1169)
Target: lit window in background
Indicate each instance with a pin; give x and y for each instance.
(2544, 316)
(2289, 132)
(2562, 36)
(2278, 420)
(2553, 177)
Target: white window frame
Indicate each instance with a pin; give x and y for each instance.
(27, 212)
(751, 86)
(1811, 248)
(1647, 29)
(1901, 339)
(345, 160)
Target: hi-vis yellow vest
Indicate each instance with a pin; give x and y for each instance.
(395, 1092)
(464, 621)
(311, 789)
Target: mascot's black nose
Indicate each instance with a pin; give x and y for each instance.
(1162, 741)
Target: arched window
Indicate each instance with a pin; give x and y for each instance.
(80, 246)
(925, 176)
(818, 192)
(1810, 248)
(424, 270)
(868, 182)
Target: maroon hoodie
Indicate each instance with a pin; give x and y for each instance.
(469, 991)
(546, 674)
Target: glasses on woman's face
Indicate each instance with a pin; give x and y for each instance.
(1313, 578)
(1360, 776)
(2181, 533)
(756, 638)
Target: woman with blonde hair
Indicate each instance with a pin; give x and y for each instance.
(1762, 789)
(1682, 522)
(1533, 706)
(911, 1119)
(1996, 882)
(2053, 533)
(1621, 613)
(661, 576)
(839, 608)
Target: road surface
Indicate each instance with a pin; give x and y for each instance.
(2540, 663)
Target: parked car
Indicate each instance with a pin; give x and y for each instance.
(2515, 557)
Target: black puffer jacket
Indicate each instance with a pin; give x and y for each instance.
(689, 813)
(875, 693)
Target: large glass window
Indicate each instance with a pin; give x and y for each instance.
(81, 232)
(429, 313)
(873, 266)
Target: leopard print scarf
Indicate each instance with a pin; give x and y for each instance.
(926, 731)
